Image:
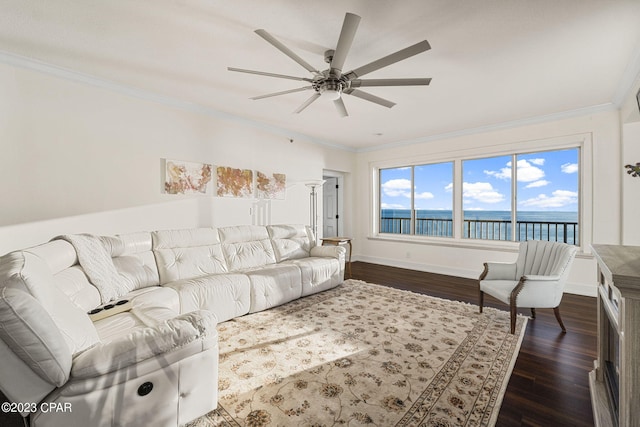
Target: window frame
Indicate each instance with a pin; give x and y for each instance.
(413, 219)
(583, 142)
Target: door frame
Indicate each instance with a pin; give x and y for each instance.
(340, 176)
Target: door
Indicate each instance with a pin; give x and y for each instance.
(330, 207)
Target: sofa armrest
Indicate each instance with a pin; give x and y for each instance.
(143, 344)
(499, 271)
(338, 252)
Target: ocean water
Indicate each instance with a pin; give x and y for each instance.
(492, 225)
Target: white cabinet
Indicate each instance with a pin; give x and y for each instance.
(615, 379)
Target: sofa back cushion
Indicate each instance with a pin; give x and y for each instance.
(184, 254)
(42, 272)
(290, 241)
(133, 258)
(246, 246)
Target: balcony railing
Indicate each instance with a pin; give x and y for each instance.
(486, 229)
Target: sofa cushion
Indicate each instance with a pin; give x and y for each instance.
(143, 344)
(26, 271)
(273, 285)
(246, 246)
(319, 273)
(183, 254)
(27, 328)
(227, 295)
(133, 259)
(147, 307)
(290, 241)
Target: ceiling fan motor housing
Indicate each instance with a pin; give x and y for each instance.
(329, 86)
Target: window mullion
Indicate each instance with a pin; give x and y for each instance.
(458, 208)
(514, 196)
(413, 207)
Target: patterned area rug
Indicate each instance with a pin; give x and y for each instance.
(365, 354)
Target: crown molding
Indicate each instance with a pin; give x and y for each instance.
(498, 126)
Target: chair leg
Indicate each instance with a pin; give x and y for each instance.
(533, 313)
(514, 315)
(556, 311)
(481, 300)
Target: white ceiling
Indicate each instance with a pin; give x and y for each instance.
(493, 62)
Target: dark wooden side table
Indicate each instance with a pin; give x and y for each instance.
(340, 241)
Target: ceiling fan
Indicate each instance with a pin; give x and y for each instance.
(333, 83)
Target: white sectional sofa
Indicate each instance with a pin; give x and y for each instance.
(121, 330)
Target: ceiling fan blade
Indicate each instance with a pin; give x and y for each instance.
(342, 110)
(284, 92)
(390, 82)
(307, 102)
(263, 73)
(368, 97)
(291, 54)
(390, 59)
(347, 34)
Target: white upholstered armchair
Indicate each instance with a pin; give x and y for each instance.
(536, 280)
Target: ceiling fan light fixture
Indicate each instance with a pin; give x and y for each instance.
(331, 94)
(331, 90)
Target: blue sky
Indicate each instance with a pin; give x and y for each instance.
(547, 181)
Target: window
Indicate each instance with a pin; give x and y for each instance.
(486, 198)
(537, 199)
(417, 200)
(396, 200)
(547, 188)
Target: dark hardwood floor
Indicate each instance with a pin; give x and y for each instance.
(549, 385)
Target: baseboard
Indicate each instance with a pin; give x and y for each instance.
(588, 290)
(421, 266)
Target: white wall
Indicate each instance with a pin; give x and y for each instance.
(630, 123)
(75, 157)
(630, 185)
(603, 216)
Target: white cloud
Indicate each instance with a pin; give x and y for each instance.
(528, 171)
(481, 192)
(402, 188)
(569, 168)
(424, 196)
(397, 187)
(558, 199)
(449, 187)
(504, 173)
(540, 183)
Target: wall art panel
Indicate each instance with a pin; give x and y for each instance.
(186, 177)
(270, 186)
(234, 182)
